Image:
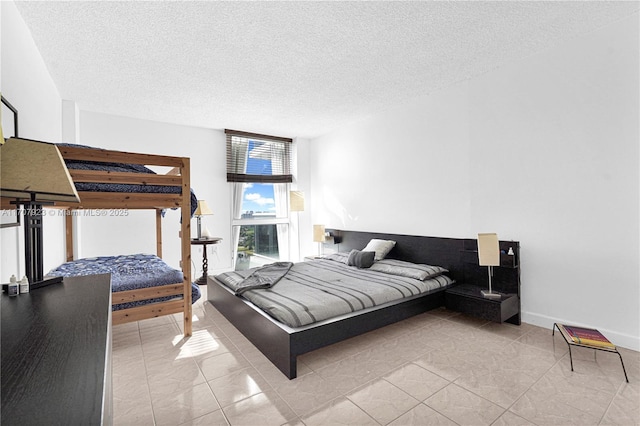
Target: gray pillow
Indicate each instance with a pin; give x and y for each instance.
(338, 257)
(361, 259)
(407, 269)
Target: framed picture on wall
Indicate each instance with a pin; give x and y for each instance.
(9, 218)
(9, 119)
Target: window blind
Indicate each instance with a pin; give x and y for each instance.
(258, 158)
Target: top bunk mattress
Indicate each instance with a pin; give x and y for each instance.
(321, 289)
(120, 187)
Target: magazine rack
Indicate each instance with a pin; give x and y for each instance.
(586, 338)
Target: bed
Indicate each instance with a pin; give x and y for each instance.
(130, 273)
(282, 343)
(328, 287)
(112, 181)
(133, 187)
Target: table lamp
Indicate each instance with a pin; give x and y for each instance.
(296, 201)
(489, 255)
(318, 236)
(202, 210)
(296, 204)
(34, 174)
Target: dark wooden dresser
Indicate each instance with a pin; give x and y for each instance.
(56, 354)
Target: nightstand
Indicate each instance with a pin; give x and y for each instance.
(466, 298)
(205, 263)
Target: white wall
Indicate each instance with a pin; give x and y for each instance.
(136, 232)
(544, 151)
(26, 83)
(406, 171)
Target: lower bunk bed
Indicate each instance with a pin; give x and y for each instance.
(142, 285)
(283, 340)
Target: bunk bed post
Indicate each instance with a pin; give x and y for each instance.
(159, 233)
(68, 225)
(186, 242)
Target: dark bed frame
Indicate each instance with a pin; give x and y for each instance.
(282, 344)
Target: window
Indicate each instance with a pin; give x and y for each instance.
(259, 168)
(258, 158)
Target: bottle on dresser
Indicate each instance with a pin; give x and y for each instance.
(13, 286)
(24, 285)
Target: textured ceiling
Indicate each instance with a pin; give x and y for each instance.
(293, 69)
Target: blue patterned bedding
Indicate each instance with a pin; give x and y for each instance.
(120, 187)
(128, 272)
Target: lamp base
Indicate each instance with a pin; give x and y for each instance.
(47, 280)
(490, 295)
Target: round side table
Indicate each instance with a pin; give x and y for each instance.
(205, 263)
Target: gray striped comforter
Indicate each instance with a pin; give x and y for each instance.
(321, 289)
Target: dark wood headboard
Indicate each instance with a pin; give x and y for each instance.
(458, 255)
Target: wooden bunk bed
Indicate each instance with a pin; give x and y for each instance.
(178, 177)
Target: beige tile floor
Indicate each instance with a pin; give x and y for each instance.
(438, 368)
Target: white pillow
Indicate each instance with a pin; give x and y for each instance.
(381, 247)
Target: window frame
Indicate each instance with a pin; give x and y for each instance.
(236, 177)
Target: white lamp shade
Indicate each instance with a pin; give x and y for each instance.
(203, 209)
(488, 249)
(318, 233)
(296, 201)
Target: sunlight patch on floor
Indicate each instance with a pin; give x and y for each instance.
(200, 343)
